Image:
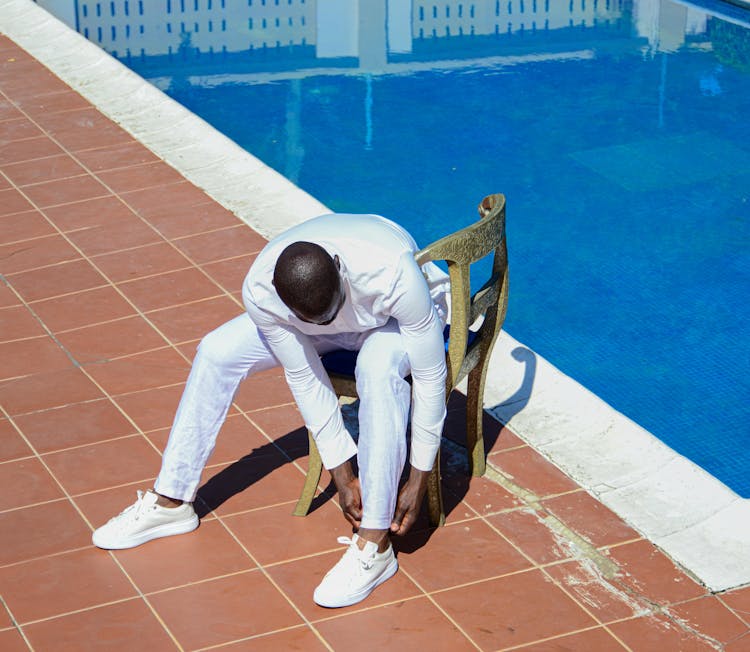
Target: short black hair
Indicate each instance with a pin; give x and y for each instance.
(306, 279)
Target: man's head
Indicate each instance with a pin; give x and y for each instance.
(308, 281)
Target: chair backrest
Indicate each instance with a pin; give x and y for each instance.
(459, 250)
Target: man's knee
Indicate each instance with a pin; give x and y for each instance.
(377, 372)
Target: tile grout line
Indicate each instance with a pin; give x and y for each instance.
(15, 626)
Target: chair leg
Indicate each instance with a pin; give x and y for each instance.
(435, 496)
(474, 416)
(314, 471)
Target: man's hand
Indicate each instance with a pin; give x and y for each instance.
(350, 495)
(409, 501)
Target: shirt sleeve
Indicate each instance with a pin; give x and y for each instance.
(310, 386)
(422, 333)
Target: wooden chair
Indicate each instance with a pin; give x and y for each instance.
(467, 351)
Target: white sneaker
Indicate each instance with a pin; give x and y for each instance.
(145, 520)
(356, 574)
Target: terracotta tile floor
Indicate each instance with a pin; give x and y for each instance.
(113, 266)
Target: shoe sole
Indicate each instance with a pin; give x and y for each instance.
(166, 530)
(388, 573)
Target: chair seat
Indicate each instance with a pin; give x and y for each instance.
(343, 362)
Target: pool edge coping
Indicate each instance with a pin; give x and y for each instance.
(628, 469)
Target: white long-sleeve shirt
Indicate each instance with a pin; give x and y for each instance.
(381, 281)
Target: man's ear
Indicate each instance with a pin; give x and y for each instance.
(337, 262)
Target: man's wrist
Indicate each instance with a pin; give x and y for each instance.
(342, 474)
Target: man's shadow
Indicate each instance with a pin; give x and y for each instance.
(455, 474)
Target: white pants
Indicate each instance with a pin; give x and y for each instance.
(236, 350)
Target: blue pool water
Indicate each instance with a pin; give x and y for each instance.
(618, 131)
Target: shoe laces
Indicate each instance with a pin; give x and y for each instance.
(134, 511)
(365, 559)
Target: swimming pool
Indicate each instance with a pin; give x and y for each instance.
(617, 131)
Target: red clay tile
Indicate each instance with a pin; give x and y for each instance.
(63, 583)
(142, 261)
(12, 641)
(513, 610)
(65, 191)
(8, 297)
(161, 563)
(254, 481)
(26, 482)
(136, 177)
(73, 276)
(90, 213)
(274, 535)
(527, 530)
(530, 470)
(27, 531)
(26, 357)
(17, 322)
(43, 105)
(388, 627)
(586, 516)
(12, 444)
(18, 75)
(44, 169)
(190, 215)
(605, 598)
(8, 111)
(124, 233)
(480, 494)
(657, 633)
(29, 150)
(172, 199)
(108, 464)
(230, 273)
(47, 390)
(709, 616)
(191, 321)
(738, 601)
(12, 201)
(223, 610)
(112, 340)
(151, 409)
(593, 640)
(741, 644)
(116, 156)
(264, 389)
(24, 226)
(30, 254)
(74, 425)
(18, 129)
(297, 638)
(140, 372)
(82, 309)
(235, 241)
(85, 129)
(298, 579)
(650, 573)
(121, 627)
(169, 289)
(457, 554)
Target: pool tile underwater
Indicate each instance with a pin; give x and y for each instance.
(71, 454)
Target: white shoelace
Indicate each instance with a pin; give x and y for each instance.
(131, 513)
(365, 560)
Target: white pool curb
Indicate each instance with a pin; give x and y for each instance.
(694, 518)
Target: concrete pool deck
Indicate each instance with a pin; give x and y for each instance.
(94, 389)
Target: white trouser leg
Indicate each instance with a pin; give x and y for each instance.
(225, 357)
(385, 397)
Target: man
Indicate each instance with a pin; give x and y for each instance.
(332, 282)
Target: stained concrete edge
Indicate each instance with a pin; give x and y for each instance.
(695, 519)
